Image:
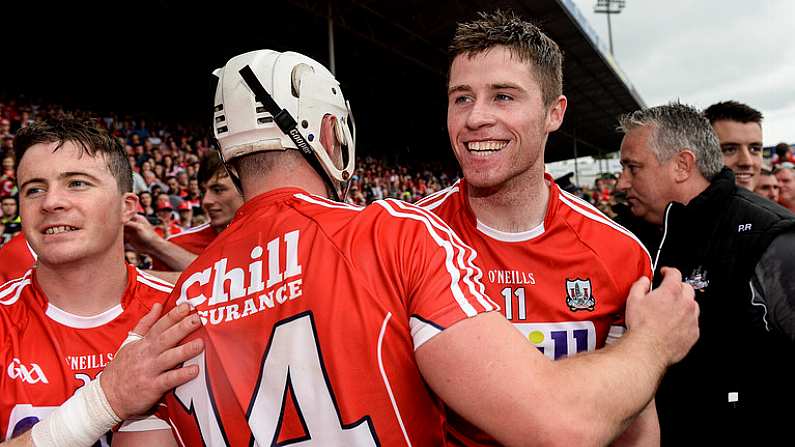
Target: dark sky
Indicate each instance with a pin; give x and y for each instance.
(155, 58)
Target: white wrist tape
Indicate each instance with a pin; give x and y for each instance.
(78, 422)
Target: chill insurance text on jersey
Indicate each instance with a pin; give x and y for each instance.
(311, 313)
(291, 362)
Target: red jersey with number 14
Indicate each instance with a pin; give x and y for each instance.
(46, 354)
(312, 311)
(563, 284)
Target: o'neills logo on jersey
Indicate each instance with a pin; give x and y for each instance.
(88, 361)
(262, 285)
(579, 295)
(511, 277)
(28, 374)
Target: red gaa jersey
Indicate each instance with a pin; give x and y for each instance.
(312, 311)
(46, 354)
(16, 257)
(194, 240)
(563, 284)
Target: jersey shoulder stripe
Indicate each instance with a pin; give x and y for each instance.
(434, 200)
(584, 208)
(430, 197)
(154, 282)
(154, 278)
(11, 291)
(322, 201)
(459, 256)
(30, 249)
(17, 279)
(189, 231)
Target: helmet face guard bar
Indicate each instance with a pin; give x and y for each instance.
(287, 125)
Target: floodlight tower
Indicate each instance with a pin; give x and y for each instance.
(609, 7)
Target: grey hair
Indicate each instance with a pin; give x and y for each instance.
(677, 127)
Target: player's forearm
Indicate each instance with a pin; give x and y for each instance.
(644, 430)
(171, 254)
(522, 398)
(610, 387)
(159, 438)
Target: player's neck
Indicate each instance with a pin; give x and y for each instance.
(302, 177)
(85, 288)
(517, 205)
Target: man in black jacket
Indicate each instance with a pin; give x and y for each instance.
(736, 249)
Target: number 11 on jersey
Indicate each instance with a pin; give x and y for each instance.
(521, 303)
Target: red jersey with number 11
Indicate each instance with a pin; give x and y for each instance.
(563, 284)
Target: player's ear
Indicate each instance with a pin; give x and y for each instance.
(555, 113)
(329, 138)
(129, 206)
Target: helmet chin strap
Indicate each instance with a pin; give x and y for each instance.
(287, 125)
(231, 171)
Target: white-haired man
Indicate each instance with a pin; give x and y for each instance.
(735, 248)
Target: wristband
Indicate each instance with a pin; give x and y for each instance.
(78, 422)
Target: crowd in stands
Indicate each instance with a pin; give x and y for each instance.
(166, 157)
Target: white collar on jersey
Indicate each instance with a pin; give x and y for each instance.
(80, 322)
(521, 236)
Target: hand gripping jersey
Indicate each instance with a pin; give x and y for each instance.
(16, 257)
(563, 284)
(46, 354)
(194, 240)
(312, 311)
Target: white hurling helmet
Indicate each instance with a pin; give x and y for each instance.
(267, 100)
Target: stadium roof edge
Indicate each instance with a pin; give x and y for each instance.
(390, 56)
(598, 45)
(418, 32)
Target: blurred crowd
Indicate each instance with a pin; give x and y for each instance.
(165, 158)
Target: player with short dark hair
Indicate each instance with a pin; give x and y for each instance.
(560, 269)
(64, 319)
(739, 130)
(220, 201)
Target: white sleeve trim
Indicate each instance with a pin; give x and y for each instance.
(422, 331)
(614, 334)
(147, 424)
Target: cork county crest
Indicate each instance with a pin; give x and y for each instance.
(579, 295)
